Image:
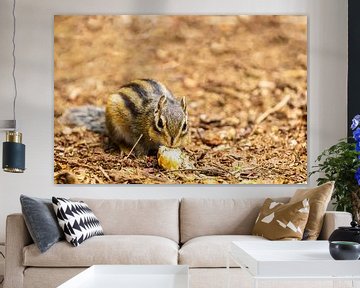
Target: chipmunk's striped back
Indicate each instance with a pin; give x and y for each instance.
(140, 93)
(146, 107)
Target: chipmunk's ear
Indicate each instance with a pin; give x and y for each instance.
(183, 104)
(162, 102)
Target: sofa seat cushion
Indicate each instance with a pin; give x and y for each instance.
(108, 249)
(211, 251)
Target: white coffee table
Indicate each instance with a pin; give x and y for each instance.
(292, 260)
(131, 276)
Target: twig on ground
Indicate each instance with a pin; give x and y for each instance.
(207, 171)
(132, 149)
(200, 136)
(104, 173)
(270, 111)
(231, 174)
(98, 179)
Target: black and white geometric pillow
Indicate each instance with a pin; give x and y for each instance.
(77, 220)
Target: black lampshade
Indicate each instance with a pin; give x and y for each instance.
(13, 153)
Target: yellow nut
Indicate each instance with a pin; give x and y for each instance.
(169, 158)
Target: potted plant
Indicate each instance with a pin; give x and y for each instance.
(341, 163)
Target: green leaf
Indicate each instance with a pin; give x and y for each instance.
(339, 163)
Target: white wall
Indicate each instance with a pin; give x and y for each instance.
(327, 88)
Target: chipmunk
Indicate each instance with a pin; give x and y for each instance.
(144, 114)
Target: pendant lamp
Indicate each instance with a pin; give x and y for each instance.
(13, 160)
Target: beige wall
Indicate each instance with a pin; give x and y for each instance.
(327, 88)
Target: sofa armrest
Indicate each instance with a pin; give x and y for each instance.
(333, 220)
(17, 237)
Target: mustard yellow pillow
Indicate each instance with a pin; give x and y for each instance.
(279, 221)
(319, 198)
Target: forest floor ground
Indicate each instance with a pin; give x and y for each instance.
(244, 78)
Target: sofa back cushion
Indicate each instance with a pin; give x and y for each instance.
(201, 217)
(158, 217)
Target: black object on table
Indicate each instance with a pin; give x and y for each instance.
(350, 234)
(344, 250)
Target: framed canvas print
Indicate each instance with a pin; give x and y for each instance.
(149, 99)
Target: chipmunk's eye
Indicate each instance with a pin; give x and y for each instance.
(160, 124)
(184, 127)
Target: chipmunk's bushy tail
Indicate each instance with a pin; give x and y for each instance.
(89, 116)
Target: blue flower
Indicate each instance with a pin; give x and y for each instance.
(357, 176)
(357, 147)
(355, 122)
(356, 135)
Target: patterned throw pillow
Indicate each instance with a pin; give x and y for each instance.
(319, 198)
(77, 220)
(279, 221)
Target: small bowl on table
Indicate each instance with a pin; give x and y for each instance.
(344, 250)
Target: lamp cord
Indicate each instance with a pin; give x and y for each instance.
(14, 61)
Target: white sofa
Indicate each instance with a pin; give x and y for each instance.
(194, 232)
